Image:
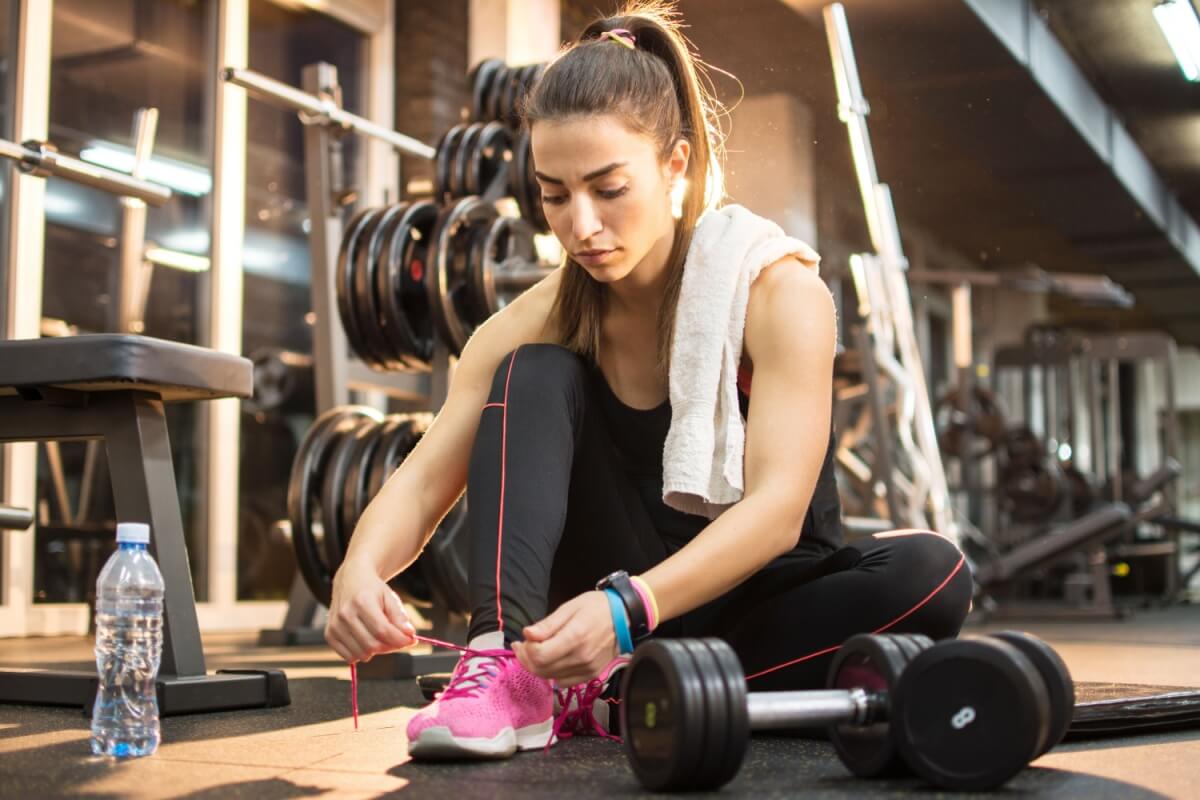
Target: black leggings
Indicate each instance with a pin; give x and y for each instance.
(552, 510)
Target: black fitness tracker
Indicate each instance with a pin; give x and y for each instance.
(639, 623)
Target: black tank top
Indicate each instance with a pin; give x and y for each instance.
(638, 436)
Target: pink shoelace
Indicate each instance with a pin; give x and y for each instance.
(475, 678)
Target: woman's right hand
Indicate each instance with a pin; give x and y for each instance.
(366, 617)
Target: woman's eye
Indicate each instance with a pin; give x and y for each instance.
(612, 194)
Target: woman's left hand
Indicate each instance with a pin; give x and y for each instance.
(573, 644)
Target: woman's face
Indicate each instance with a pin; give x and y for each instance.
(604, 189)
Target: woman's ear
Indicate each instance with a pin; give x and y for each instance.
(677, 162)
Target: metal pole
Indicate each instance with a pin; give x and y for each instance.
(133, 279)
(320, 107)
(36, 158)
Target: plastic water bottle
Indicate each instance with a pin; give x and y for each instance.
(129, 614)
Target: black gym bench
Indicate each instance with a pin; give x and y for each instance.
(114, 387)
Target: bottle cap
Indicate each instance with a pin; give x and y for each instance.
(133, 533)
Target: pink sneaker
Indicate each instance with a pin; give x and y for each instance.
(590, 709)
(491, 708)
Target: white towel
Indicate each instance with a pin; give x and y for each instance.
(703, 453)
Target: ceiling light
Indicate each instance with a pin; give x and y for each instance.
(1179, 24)
(177, 175)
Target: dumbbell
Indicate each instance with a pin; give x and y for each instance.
(964, 714)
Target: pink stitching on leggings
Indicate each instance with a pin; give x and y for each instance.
(503, 476)
(911, 611)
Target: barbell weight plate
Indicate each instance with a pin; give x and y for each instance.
(476, 273)
(1081, 488)
(332, 484)
(518, 181)
(395, 439)
(352, 236)
(969, 714)
(370, 252)
(395, 331)
(662, 714)
(495, 93)
(354, 491)
(304, 483)
(737, 737)
(443, 164)
(480, 81)
(400, 286)
(492, 152)
(714, 721)
(874, 663)
(533, 193)
(450, 287)
(446, 557)
(1060, 688)
(462, 160)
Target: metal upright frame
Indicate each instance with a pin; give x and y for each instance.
(335, 371)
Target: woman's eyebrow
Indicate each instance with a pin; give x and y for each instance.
(591, 176)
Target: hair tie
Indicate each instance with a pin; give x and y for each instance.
(621, 36)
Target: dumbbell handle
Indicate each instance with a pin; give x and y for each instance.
(814, 709)
(16, 519)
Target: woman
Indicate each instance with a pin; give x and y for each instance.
(556, 421)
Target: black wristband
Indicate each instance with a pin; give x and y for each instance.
(639, 620)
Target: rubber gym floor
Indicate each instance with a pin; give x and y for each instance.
(311, 749)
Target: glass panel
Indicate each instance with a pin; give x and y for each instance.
(109, 59)
(276, 261)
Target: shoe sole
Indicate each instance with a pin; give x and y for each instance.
(439, 743)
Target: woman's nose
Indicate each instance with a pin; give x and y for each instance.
(585, 222)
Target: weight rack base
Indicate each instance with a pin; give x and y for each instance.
(291, 637)
(225, 690)
(393, 666)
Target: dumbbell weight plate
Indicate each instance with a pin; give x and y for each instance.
(480, 81)
(714, 721)
(334, 480)
(401, 288)
(969, 714)
(662, 714)
(305, 481)
(360, 224)
(1059, 686)
(872, 662)
(729, 668)
(443, 165)
(371, 252)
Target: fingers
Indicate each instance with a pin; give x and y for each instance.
(369, 624)
(394, 609)
(548, 627)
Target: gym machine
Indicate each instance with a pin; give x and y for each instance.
(900, 462)
(114, 387)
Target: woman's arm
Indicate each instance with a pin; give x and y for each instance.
(791, 338)
(364, 617)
